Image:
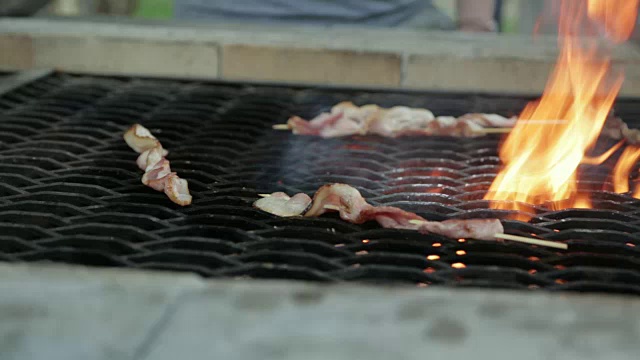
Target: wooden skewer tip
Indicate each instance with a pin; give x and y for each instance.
(264, 195)
(281, 127)
(532, 241)
(521, 239)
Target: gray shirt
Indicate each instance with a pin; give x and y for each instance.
(313, 12)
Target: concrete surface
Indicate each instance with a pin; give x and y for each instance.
(57, 312)
(390, 58)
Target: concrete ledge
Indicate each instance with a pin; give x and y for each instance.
(126, 56)
(487, 74)
(340, 67)
(57, 312)
(17, 52)
(54, 312)
(391, 58)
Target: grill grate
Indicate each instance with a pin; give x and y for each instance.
(70, 190)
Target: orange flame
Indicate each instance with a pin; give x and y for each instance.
(623, 168)
(541, 159)
(607, 13)
(602, 158)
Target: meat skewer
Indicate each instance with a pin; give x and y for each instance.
(617, 129)
(352, 207)
(346, 119)
(614, 128)
(157, 170)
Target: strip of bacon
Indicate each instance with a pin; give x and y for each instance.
(157, 170)
(346, 119)
(352, 207)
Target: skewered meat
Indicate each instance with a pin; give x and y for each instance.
(177, 190)
(157, 170)
(617, 129)
(352, 207)
(281, 204)
(346, 119)
(140, 139)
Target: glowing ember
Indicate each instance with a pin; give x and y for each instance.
(541, 159)
(433, 257)
(621, 172)
(458, 265)
(461, 252)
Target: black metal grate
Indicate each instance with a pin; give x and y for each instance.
(70, 190)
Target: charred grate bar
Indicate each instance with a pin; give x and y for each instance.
(70, 190)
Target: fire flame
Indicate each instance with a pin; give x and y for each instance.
(541, 159)
(623, 168)
(617, 16)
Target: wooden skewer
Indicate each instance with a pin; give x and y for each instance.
(517, 238)
(500, 130)
(527, 240)
(506, 130)
(264, 195)
(494, 130)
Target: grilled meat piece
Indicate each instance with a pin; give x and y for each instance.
(157, 170)
(346, 119)
(352, 207)
(281, 204)
(617, 129)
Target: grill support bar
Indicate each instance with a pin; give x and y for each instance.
(142, 315)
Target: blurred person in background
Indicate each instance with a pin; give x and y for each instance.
(21, 7)
(32, 7)
(473, 15)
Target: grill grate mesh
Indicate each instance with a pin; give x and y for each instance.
(70, 190)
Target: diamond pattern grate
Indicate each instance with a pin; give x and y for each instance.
(70, 190)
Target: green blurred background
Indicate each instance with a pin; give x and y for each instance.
(155, 9)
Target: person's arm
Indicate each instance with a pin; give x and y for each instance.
(476, 15)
